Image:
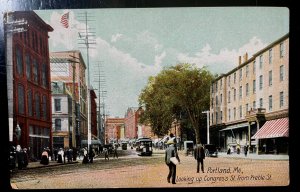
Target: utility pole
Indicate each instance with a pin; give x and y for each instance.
(11, 27)
(207, 119)
(100, 79)
(85, 36)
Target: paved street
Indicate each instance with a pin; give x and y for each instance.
(130, 170)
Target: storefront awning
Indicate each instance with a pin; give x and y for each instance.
(236, 126)
(273, 128)
(93, 142)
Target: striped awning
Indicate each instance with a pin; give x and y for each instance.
(273, 128)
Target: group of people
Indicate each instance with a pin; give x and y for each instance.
(19, 155)
(172, 158)
(238, 150)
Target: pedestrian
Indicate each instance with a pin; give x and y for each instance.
(91, 155)
(246, 150)
(25, 158)
(60, 156)
(55, 153)
(238, 149)
(228, 151)
(85, 156)
(45, 157)
(199, 156)
(105, 151)
(115, 152)
(169, 153)
(20, 157)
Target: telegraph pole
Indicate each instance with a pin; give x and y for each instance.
(87, 41)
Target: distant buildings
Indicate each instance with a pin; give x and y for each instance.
(31, 84)
(249, 104)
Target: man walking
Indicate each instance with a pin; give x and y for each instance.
(171, 152)
(199, 156)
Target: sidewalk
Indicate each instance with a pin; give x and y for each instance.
(37, 164)
(255, 156)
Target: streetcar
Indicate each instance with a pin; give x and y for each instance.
(144, 146)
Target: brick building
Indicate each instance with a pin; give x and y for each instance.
(31, 84)
(249, 104)
(113, 129)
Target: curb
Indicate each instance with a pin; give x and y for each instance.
(50, 165)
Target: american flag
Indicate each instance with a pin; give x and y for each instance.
(65, 20)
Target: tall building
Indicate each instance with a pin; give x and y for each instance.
(249, 104)
(31, 84)
(69, 67)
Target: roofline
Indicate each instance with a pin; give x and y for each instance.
(253, 56)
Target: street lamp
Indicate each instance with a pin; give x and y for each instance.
(207, 115)
(18, 132)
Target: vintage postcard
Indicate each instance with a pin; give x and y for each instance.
(148, 97)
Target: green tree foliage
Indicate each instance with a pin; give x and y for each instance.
(183, 88)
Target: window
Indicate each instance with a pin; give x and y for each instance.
(221, 96)
(35, 71)
(229, 115)
(217, 86)
(57, 104)
(261, 103)
(221, 116)
(37, 105)
(29, 101)
(270, 103)
(241, 112)
(240, 92)
(44, 75)
(212, 88)
(234, 77)
(229, 80)
(260, 61)
(221, 83)
(216, 117)
(21, 97)
(57, 124)
(247, 70)
(247, 89)
(212, 102)
(281, 49)
(217, 101)
(260, 82)
(254, 67)
(241, 74)
(234, 113)
(270, 56)
(19, 58)
(254, 104)
(270, 78)
(247, 108)
(28, 67)
(281, 99)
(212, 118)
(254, 86)
(228, 96)
(45, 107)
(281, 73)
(234, 94)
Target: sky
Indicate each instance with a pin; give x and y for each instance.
(134, 44)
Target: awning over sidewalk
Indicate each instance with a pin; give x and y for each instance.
(273, 128)
(93, 142)
(235, 126)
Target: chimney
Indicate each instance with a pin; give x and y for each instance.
(240, 60)
(245, 57)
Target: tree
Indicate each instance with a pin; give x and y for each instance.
(181, 88)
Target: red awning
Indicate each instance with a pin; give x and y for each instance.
(273, 128)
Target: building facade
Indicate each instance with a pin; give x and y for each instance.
(69, 67)
(61, 116)
(244, 100)
(31, 84)
(94, 130)
(113, 129)
(131, 123)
